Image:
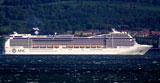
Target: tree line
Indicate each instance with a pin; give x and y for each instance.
(62, 15)
(28, 2)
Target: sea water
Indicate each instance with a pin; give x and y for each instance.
(80, 69)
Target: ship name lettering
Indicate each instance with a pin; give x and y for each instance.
(20, 50)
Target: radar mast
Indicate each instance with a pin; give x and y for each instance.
(36, 30)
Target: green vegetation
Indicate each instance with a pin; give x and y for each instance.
(1, 41)
(149, 41)
(62, 15)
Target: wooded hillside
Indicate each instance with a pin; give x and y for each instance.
(62, 15)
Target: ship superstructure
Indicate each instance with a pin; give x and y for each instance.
(114, 43)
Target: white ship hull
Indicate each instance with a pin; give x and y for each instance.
(134, 50)
(115, 43)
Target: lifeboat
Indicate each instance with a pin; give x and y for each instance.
(49, 46)
(82, 46)
(42, 46)
(99, 46)
(35, 46)
(93, 46)
(88, 46)
(70, 46)
(56, 46)
(76, 46)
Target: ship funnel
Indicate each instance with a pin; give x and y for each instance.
(36, 30)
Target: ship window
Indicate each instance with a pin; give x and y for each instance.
(17, 36)
(19, 42)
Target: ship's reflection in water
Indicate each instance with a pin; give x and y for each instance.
(77, 69)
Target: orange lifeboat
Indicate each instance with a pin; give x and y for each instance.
(87, 46)
(93, 46)
(70, 46)
(99, 46)
(76, 46)
(56, 46)
(82, 46)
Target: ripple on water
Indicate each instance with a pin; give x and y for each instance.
(70, 69)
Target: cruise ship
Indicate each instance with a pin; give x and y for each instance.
(114, 43)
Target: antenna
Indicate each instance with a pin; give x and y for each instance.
(55, 33)
(114, 31)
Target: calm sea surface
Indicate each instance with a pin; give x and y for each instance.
(80, 69)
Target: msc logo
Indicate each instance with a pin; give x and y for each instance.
(14, 50)
(18, 50)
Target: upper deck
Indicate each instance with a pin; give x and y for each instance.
(114, 34)
(112, 39)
